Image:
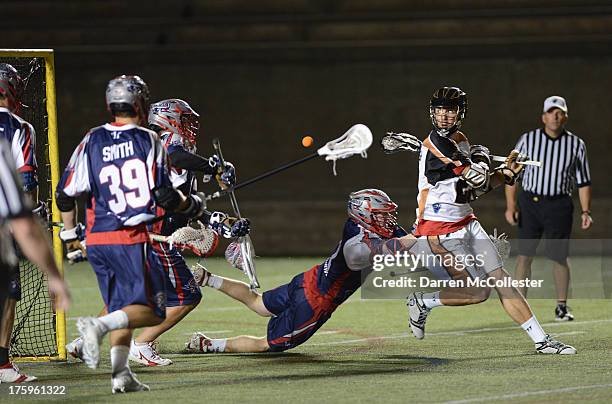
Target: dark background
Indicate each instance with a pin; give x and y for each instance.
(263, 74)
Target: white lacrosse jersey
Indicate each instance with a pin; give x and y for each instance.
(443, 198)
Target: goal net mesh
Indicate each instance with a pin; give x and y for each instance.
(34, 331)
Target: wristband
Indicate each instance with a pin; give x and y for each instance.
(588, 212)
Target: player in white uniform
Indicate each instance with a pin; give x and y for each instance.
(451, 175)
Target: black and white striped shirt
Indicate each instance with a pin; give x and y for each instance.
(12, 203)
(564, 163)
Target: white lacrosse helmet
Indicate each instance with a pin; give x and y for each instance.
(374, 210)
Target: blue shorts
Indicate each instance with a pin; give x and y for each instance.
(129, 274)
(181, 287)
(295, 320)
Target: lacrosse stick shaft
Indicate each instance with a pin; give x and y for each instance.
(230, 191)
(262, 176)
(526, 162)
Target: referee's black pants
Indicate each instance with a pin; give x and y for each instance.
(548, 217)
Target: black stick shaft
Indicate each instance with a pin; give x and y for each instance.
(264, 175)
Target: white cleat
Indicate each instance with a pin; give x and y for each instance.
(10, 373)
(199, 343)
(126, 382)
(75, 348)
(92, 330)
(417, 314)
(147, 355)
(551, 346)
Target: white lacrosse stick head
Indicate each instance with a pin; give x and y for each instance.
(233, 255)
(501, 244)
(356, 140)
(395, 142)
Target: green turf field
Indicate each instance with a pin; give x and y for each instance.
(364, 353)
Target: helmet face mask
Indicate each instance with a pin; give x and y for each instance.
(447, 109)
(11, 86)
(127, 94)
(374, 210)
(176, 116)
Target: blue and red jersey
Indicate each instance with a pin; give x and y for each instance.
(117, 166)
(22, 139)
(329, 284)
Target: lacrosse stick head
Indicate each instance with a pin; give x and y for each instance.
(395, 142)
(501, 243)
(202, 242)
(356, 140)
(240, 254)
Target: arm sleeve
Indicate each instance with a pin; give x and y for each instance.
(24, 148)
(583, 175)
(448, 151)
(75, 179)
(12, 201)
(181, 158)
(357, 254)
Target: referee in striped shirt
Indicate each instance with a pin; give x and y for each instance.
(16, 218)
(545, 207)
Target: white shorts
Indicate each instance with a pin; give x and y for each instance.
(468, 249)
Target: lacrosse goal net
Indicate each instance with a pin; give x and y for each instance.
(39, 332)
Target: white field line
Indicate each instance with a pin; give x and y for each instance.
(531, 393)
(209, 332)
(456, 333)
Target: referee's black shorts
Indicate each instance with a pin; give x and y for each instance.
(548, 217)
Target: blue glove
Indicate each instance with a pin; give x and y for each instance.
(228, 174)
(241, 227)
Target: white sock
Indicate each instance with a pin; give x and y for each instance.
(432, 299)
(214, 281)
(116, 320)
(119, 359)
(534, 330)
(218, 345)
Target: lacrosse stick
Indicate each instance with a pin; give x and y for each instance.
(246, 245)
(356, 140)
(501, 244)
(396, 142)
(202, 241)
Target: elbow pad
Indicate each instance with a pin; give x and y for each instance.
(64, 202)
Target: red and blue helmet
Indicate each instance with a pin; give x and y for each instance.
(374, 210)
(176, 116)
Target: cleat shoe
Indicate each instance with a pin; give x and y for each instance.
(92, 330)
(10, 373)
(199, 343)
(75, 348)
(200, 274)
(417, 314)
(562, 313)
(551, 346)
(126, 382)
(147, 355)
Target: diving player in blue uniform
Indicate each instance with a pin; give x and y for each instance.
(299, 308)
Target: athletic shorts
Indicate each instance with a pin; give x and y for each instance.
(546, 217)
(295, 320)
(469, 249)
(129, 274)
(181, 287)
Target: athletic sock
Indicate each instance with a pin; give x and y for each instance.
(432, 299)
(534, 330)
(116, 320)
(119, 359)
(218, 345)
(214, 281)
(4, 356)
